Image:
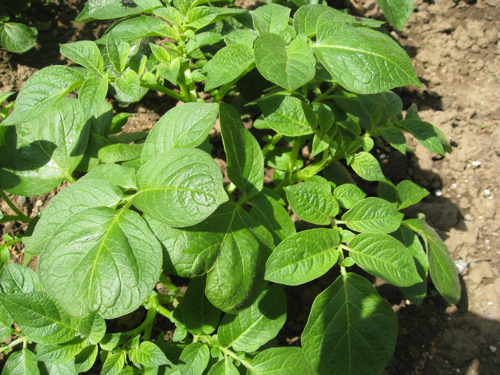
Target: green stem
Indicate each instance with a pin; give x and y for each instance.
(70, 178)
(13, 242)
(22, 216)
(341, 259)
(14, 343)
(163, 311)
(294, 154)
(172, 289)
(7, 218)
(193, 95)
(164, 90)
(27, 259)
(225, 88)
(144, 325)
(270, 146)
(324, 95)
(231, 188)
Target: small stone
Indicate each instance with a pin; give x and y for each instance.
(476, 163)
(493, 349)
(487, 192)
(438, 192)
(21, 200)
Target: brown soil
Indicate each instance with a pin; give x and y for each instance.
(455, 49)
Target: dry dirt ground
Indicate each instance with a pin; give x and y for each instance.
(455, 48)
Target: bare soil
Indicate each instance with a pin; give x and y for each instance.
(455, 49)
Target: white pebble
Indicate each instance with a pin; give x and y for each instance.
(493, 349)
(408, 302)
(438, 192)
(490, 303)
(476, 163)
(458, 371)
(454, 186)
(487, 192)
(382, 156)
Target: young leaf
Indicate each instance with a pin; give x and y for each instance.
(148, 354)
(110, 9)
(79, 197)
(415, 293)
(194, 359)
(397, 12)
(84, 53)
(349, 53)
(198, 314)
(106, 260)
(119, 152)
(271, 18)
(93, 327)
(67, 368)
(410, 193)
(200, 17)
(442, 268)
(44, 152)
(306, 18)
(41, 91)
(303, 257)
(245, 162)
(289, 66)
(373, 215)
(395, 137)
(39, 317)
(348, 195)
(349, 104)
(16, 37)
(185, 184)
(128, 88)
(251, 328)
(351, 329)
(243, 37)
(92, 94)
(57, 354)
(288, 115)
(425, 133)
(86, 358)
(138, 27)
(273, 216)
(387, 191)
(320, 143)
(312, 202)
(118, 175)
(367, 167)
(118, 52)
(21, 363)
(224, 367)
(227, 65)
(395, 103)
(114, 363)
(184, 126)
(338, 174)
(282, 361)
(383, 256)
(15, 278)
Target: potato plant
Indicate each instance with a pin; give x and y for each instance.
(153, 204)
(14, 36)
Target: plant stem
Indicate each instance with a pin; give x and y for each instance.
(144, 325)
(225, 88)
(6, 218)
(324, 95)
(14, 343)
(22, 217)
(13, 242)
(172, 289)
(270, 146)
(164, 90)
(163, 311)
(231, 188)
(294, 154)
(193, 95)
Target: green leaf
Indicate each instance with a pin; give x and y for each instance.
(289, 66)
(288, 115)
(367, 167)
(415, 293)
(253, 327)
(373, 215)
(245, 162)
(128, 88)
(86, 358)
(120, 176)
(351, 105)
(350, 329)
(271, 18)
(39, 317)
(16, 37)
(21, 363)
(84, 53)
(107, 261)
(92, 94)
(184, 126)
(149, 355)
(93, 327)
(243, 37)
(194, 359)
(44, 152)
(303, 257)
(305, 20)
(198, 314)
(169, 14)
(200, 17)
(395, 137)
(350, 55)
(111, 340)
(118, 52)
(348, 195)
(78, 197)
(41, 91)
(312, 202)
(387, 191)
(338, 174)
(326, 117)
(223, 367)
(410, 193)
(67, 368)
(185, 184)
(57, 354)
(203, 39)
(273, 216)
(114, 363)
(119, 152)
(442, 268)
(228, 64)
(137, 28)
(110, 9)
(282, 361)
(397, 12)
(425, 133)
(383, 256)
(395, 103)
(15, 279)
(320, 143)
